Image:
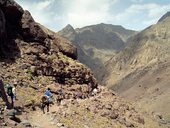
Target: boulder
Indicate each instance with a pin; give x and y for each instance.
(12, 10)
(26, 123)
(60, 125)
(1, 117)
(31, 31)
(105, 113)
(65, 47)
(114, 115)
(108, 106)
(11, 113)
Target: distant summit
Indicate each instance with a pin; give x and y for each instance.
(97, 43)
(69, 28)
(164, 16)
(69, 33)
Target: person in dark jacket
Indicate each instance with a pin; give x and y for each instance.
(3, 93)
(44, 103)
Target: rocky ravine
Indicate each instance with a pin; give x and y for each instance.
(35, 58)
(141, 71)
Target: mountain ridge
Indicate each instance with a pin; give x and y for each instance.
(140, 71)
(164, 17)
(97, 43)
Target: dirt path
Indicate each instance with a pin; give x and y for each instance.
(47, 120)
(40, 120)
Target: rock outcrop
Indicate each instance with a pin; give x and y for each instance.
(30, 50)
(30, 30)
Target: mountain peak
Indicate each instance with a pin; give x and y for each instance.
(69, 27)
(164, 16)
(68, 32)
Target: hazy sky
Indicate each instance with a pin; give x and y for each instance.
(132, 14)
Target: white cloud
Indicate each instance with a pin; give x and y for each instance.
(142, 7)
(136, 1)
(139, 16)
(85, 12)
(43, 4)
(55, 14)
(159, 10)
(38, 10)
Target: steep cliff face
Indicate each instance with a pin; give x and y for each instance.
(11, 13)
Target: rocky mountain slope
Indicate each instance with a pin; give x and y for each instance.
(35, 58)
(141, 71)
(96, 44)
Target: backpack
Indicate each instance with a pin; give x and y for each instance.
(44, 99)
(9, 90)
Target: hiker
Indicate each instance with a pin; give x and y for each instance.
(46, 100)
(79, 95)
(44, 103)
(49, 95)
(60, 92)
(14, 89)
(3, 94)
(59, 99)
(94, 92)
(10, 94)
(89, 88)
(59, 96)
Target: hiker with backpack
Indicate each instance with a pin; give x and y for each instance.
(44, 103)
(46, 100)
(60, 96)
(49, 95)
(14, 89)
(10, 93)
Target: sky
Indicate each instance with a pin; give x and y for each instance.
(131, 14)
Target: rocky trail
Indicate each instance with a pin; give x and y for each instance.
(47, 120)
(104, 110)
